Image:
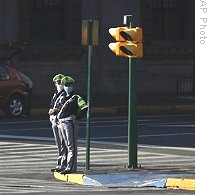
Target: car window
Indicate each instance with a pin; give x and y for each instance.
(4, 74)
(26, 80)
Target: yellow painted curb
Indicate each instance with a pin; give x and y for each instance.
(185, 184)
(73, 177)
(59, 176)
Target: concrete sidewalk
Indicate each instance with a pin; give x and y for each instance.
(164, 106)
(119, 110)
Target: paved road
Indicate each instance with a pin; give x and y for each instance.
(25, 166)
(163, 130)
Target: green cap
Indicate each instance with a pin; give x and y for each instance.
(58, 77)
(67, 79)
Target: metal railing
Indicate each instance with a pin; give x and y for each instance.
(186, 86)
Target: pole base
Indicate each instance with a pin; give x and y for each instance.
(134, 166)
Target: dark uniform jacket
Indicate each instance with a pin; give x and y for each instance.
(55, 102)
(74, 105)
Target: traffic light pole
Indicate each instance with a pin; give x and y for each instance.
(89, 38)
(132, 126)
(132, 123)
(90, 51)
(129, 44)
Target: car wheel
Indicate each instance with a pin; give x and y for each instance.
(15, 106)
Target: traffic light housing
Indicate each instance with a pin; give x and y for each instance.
(129, 41)
(127, 49)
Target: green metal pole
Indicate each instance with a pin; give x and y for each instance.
(90, 49)
(132, 124)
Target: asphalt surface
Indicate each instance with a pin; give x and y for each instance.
(134, 177)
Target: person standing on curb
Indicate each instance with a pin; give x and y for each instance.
(56, 103)
(74, 109)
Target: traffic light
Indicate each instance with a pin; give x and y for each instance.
(129, 41)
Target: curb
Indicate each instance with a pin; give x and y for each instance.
(185, 184)
(73, 178)
(128, 180)
(121, 110)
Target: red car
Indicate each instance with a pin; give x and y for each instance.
(15, 92)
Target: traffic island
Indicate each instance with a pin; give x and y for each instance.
(130, 180)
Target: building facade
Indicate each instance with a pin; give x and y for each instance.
(51, 30)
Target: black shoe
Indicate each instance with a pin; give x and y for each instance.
(66, 171)
(56, 169)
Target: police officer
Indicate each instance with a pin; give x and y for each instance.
(56, 102)
(72, 110)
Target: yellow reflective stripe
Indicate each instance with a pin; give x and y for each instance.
(81, 103)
